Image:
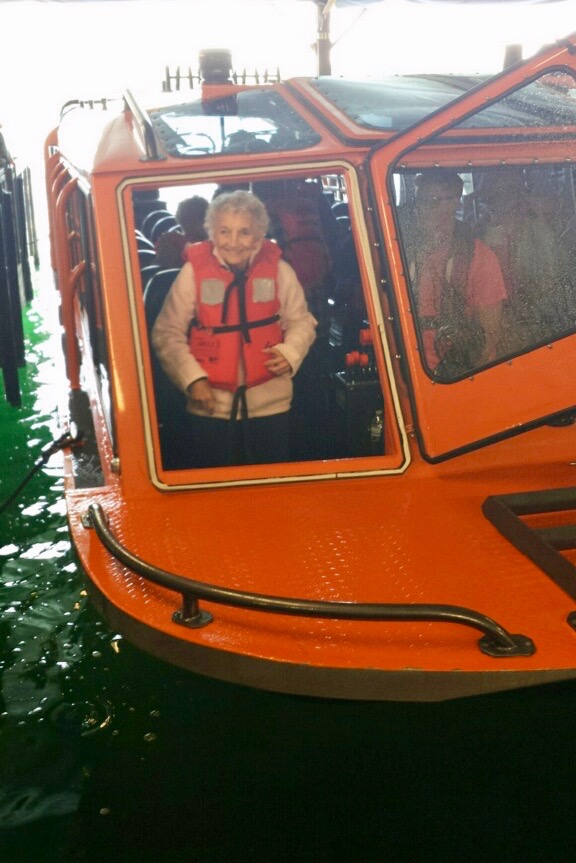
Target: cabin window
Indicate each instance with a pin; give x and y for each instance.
(490, 260)
(249, 121)
(395, 103)
(337, 404)
(84, 262)
(548, 101)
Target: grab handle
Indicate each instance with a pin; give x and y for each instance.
(496, 641)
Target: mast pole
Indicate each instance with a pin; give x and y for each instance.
(323, 44)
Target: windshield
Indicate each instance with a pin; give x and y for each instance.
(248, 121)
(397, 102)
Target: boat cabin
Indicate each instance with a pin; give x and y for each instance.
(439, 387)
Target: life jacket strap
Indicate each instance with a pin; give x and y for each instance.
(231, 328)
(238, 283)
(239, 400)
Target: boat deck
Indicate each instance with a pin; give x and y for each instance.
(356, 541)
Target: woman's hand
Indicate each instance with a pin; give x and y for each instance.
(277, 364)
(200, 395)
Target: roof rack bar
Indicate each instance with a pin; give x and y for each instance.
(174, 79)
(145, 126)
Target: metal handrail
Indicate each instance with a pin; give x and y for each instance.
(145, 126)
(497, 641)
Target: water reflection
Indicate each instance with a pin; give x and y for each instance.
(41, 602)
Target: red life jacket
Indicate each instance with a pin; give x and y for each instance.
(236, 317)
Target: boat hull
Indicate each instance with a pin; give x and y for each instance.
(358, 684)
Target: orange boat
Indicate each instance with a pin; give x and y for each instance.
(420, 543)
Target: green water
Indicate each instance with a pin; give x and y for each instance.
(109, 755)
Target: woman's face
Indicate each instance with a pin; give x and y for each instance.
(235, 238)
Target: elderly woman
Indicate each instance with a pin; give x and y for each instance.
(232, 333)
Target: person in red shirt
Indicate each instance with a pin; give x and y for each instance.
(456, 281)
(524, 227)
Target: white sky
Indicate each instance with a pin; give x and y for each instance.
(62, 51)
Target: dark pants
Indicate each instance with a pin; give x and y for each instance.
(217, 442)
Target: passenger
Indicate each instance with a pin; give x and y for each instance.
(456, 280)
(546, 269)
(190, 215)
(250, 331)
(523, 229)
(504, 202)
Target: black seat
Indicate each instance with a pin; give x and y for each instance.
(162, 226)
(155, 292)
(142, 242)
(340, 208)
(146, 257)
(170, 403)
(146, 274)
(146, 202)
(151, 219)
